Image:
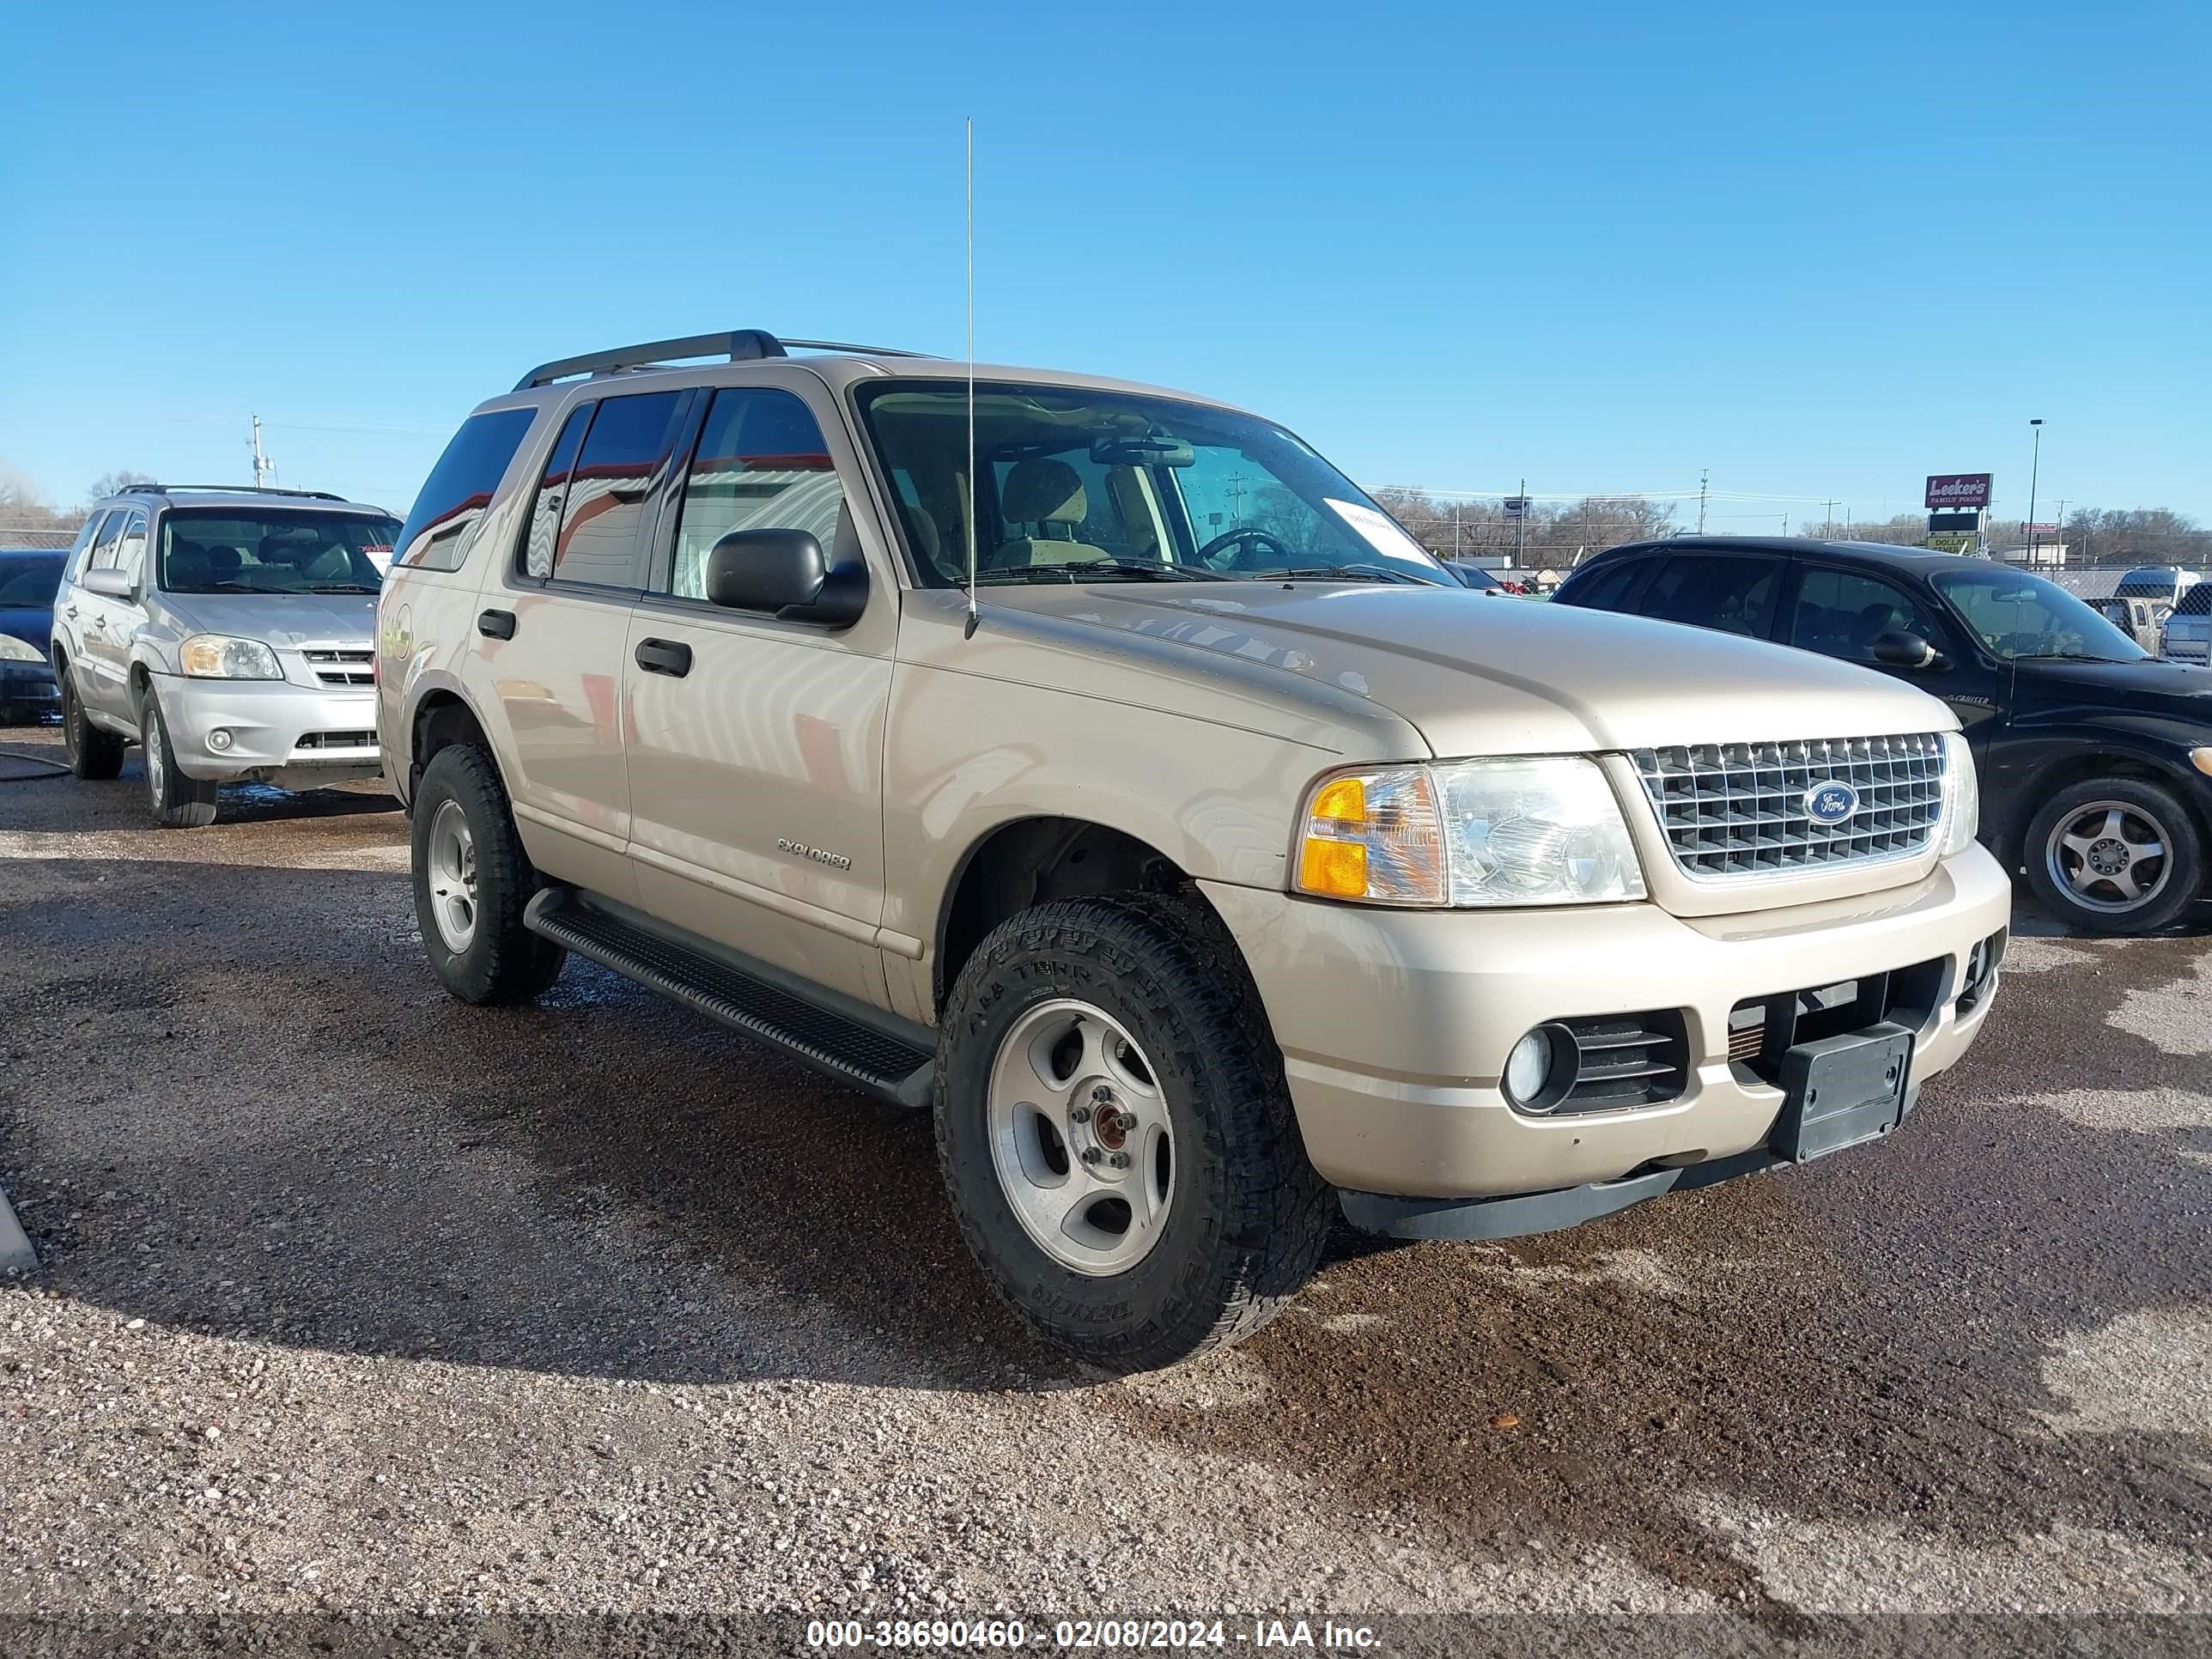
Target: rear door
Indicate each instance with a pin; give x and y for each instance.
(1733, 592)
(555, 630)
(756, 745)
(71, 612)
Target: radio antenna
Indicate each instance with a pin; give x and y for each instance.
(974, 616)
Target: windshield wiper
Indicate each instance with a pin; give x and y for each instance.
(1345, 573)
(1084, 569)
(337, 587)
(2068, 656)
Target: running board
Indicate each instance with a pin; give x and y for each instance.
(891, 1058)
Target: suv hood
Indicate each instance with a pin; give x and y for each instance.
(1484, 675)
(284, 620)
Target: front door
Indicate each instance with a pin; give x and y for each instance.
(112, 625)
(1841, 613)
(756, 745)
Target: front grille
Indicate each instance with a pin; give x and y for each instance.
(1626, 1059)
(343, 667)
(336, 740)
(1731, 810)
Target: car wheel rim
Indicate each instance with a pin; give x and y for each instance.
(69, 721)
(1081, 1138)
(2110, 856)
(453, 875)
(150, 742)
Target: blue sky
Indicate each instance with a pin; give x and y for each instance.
(1820, 250)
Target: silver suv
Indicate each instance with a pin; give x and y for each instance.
(228, 633)
(1220, 868)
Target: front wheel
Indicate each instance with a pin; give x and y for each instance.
(2115, 856)
(178, 802)
(1116, 1136)
(473, 881)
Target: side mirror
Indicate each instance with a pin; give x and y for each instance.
(1899, 649)
(783, 572)
(109, 585)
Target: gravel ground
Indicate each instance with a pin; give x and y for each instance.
(358, 1299)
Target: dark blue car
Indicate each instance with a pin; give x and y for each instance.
(29, 578)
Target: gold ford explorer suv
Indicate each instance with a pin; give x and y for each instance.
(1225, 867)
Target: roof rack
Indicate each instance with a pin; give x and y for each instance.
(741, 345)
(227, 489)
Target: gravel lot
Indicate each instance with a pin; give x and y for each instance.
(355, 1297)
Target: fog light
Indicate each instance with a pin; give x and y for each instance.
(1542, 1069)
(218, 738)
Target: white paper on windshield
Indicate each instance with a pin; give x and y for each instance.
(1376, 528)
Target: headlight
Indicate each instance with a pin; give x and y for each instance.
(15, 650)
(216, 657)
(1962, 796)
(1468, 833)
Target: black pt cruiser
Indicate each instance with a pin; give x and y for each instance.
(2095, 757)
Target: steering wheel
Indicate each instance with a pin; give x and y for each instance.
(1234, 543)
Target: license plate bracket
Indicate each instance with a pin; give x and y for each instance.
(1840, 1092)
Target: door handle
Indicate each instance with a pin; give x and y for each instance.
(69, 611)
(668, 657)
(495, 625)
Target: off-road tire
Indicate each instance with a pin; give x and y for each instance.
(2184, 843)
(505, 961)
(176, 801)
(1249, 1216)
(94, 755)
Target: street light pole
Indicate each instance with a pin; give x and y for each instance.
(2034, 471)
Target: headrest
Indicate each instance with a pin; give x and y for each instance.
(189, 566)
(225, 557)
(1041, 490)
(927, 540)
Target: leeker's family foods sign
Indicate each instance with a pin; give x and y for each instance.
(1958, 490)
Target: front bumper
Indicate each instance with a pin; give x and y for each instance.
(274, 729)
(1395, 1025)
(28, 686)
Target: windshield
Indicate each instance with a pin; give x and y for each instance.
(2020, 616)
(1082, 485)
(272, 550)
(31, 581)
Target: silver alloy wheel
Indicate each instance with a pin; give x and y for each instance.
(1081, 1138)
(149, 741)
(453, 875)
(2110, 856)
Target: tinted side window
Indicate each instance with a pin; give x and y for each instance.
(442, 526)
(1609, 590)
(2197, 602)
(103, 551)
(1841, 613)
(78, 558)
(544, 529)
(761, 464)
(1716, 590)
(626, 453)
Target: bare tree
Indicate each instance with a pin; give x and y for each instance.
(122, 478)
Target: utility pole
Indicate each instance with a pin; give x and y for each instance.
(1704, 473)
(1829, 528)
(1454, 530)
(1785, 526)
(263, 468)
(2034, 473)
(1520, 529)
(2060, 536)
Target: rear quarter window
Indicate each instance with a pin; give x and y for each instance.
(2197, 602)
(442, 527)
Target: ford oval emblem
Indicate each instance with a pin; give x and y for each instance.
(1830, 802)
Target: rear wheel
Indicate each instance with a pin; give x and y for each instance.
(2115, 856)
(472, 882)
(94, 755)
(178, 802)
(1116, 1136)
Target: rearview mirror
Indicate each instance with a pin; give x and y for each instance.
(1156, 450)
(783, 572)
(109, 585)
(1898, 649)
